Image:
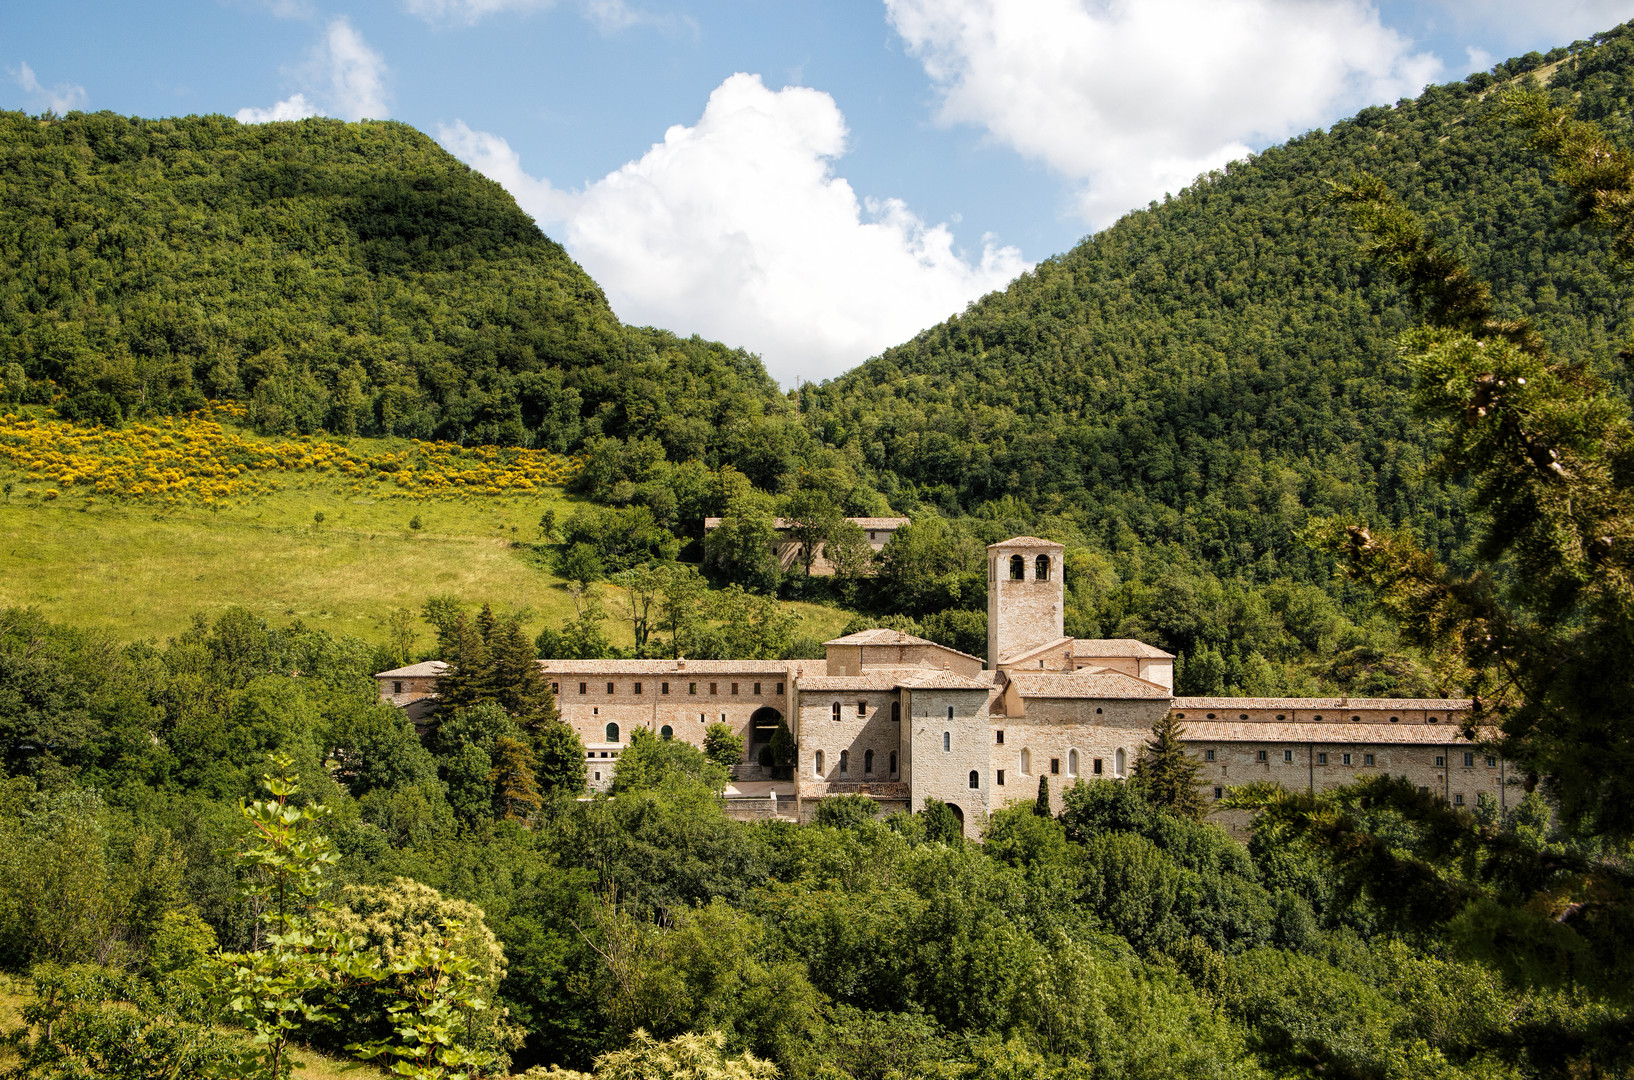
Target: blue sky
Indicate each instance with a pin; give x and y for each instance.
(838, 175)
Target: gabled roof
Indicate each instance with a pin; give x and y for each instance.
(424, 669)
(1025, 541)
(880, 635)
(1096, 684)
(943, 680)
(1048, 646)
(890, 679)
(1118, 647)
(1321, 736)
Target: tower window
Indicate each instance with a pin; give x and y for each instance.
(998, 778)
(947, 741)
(1041, 568)
(555, 688)
(1440, 761)
(1018, 568)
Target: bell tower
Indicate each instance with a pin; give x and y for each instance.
(1024, 596)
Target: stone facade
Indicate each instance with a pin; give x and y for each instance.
(876, 530)
(901, 719)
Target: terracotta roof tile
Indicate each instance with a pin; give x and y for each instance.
(701, 668)
(1323, 734)
(1226, 704)
(1117, 647)
(1024, 541)
(1103, 684)
(424, 669)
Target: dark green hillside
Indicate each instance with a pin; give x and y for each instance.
(351, 277)
(1209, 372)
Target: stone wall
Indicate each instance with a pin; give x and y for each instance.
(942, 770)
(1057, 731)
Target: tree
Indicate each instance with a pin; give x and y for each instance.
(649, 761)
(941, 823)
(561, 759)
(467, 680)
(1041, 805)
(812, 520)
(1165, 774)
(681, 608)
(581, 565)
(723, 746)
(642, 598)
(512, 777)
(740, 548)
(848, 550)
(1545, 628)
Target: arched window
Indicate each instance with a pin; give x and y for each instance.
(666, 733)
(845, 762)
(1018, 568)
(836, 710)
(896, 711)
(1072, 763)
(893, 762)
(975, 780)
(612, 733)
(1026, 761)
(868, 763)
(1041, 568)
(947, 741)
(1117, 762)
(818, 768)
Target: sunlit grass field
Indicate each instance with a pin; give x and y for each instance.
(142, 565)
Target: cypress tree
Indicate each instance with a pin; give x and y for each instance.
(1042, 806)
(1165, 774)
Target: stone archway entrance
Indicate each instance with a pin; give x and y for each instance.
(960, 815)
(762, 726)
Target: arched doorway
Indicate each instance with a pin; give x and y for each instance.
(960, 815)
(762, 726)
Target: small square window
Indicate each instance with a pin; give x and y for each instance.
(1096, 766)
(638, 688)
(1458, 799)
(1367, 760)
(598, 776)
(734, 689)
(780, 688)
(998, 737)
(1322, 758)
(1218, 792)
(757, 689)
(1345, 759)
(1261, 755)
(862, 708)
(1208, 755)
(1440, 761)
(397, 688)
(1491, 762)
(1287, 755)
(1055, 766)
(998, 780)
(1469, 761)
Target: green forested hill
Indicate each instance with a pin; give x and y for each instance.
(1212, 370)
(350, 277)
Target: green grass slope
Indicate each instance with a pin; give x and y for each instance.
(1208, 373)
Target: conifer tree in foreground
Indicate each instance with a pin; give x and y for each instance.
(1041, 806)
(1165, 774)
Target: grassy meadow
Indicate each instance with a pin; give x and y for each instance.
(231, 518)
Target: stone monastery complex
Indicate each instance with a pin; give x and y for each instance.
(900, 719)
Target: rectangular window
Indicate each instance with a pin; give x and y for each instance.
(714, 689)
(1458, 799)
(1208, 755)
(862, 708)
(1287, 755)
(999, 779)
(556, 688)
(1260, 755)
(610, 689)
(757, 689)
(692, 688)
(1440, 762)
(638, 688)
(1367, 760)
(581, 688)
(1491, 762)
(780, 688)
(1469, 761)
(1055, 766)
(598, 776)
(397, 688)
(1218, 792)
(734, 689)
(723, 718)
(1097, 766)
(998, 737)
(1322, 758)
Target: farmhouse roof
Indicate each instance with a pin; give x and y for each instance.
(424, 669)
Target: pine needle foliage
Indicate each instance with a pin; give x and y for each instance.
(1165, 774)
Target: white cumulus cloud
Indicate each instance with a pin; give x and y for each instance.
(59, 98)
(1132, 98)
(608, 16)
(1510, 24)
(342, 76)
(737, 228)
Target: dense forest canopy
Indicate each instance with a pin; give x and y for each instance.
(348, 277)
(1209, 371)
